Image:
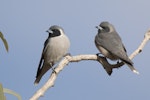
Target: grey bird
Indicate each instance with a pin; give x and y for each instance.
(109, 43)
(55, 47)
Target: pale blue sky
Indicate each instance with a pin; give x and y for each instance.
(24, 22)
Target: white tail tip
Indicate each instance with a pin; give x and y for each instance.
(135, 71)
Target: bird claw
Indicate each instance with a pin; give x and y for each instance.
(53, 69)
(98, 54)
(118, 62)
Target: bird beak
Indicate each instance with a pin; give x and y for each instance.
(98, 27)
(50, 31)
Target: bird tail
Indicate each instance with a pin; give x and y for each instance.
(37, 80)
(130, 65)
(41, 72)
(132, 69)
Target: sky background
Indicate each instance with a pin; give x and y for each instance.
(24, 22)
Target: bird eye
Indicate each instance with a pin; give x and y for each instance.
(54, 30)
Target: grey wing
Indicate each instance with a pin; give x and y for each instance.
(112, 42)
(42, 59)
(124, 48)
(127, 60)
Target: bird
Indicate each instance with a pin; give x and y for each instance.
(55, 48)
(110, 44)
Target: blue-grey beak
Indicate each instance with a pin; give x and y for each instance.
(50, 31)
(98, 27)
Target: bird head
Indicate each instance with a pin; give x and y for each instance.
(55, 31)
(105, 27)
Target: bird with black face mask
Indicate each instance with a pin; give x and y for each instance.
(110, 45)
(55, 47)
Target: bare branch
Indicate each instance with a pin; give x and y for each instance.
(140, 48)
(108, 67)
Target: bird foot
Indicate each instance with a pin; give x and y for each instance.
(98, 54)
(118, 62)
(53, 71)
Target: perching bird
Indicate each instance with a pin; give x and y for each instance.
(55, 47)
(110, 45)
